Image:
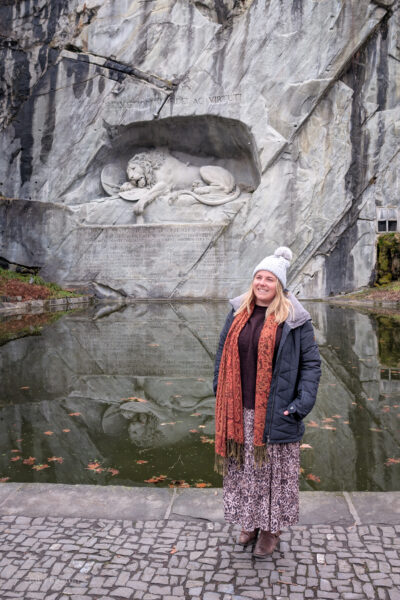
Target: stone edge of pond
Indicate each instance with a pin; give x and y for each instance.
(35, 306)
(145, 503)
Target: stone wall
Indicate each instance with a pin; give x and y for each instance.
(298, 101)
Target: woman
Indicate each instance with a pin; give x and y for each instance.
(267, 371)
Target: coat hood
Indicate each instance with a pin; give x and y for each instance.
(299, 317)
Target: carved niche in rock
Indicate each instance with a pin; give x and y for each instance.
(157, 173)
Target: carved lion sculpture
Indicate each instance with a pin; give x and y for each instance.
(156, 173)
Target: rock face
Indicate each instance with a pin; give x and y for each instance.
(277, 123)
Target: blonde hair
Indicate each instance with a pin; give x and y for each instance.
(280, 307)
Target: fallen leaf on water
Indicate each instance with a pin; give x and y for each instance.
(386, 409)
(303, 446)
(206, 440)
(20, 440)
(337, 416)
(177, 396)
(4, 479)
(173, 550)
(392, 461)
(14, 458)
(75, 414)
(327, 420)
(193, 430)
(24, 387)
(375, 429)
(346, 422)
(170, 423)
(313, 477)
(329, 427)
(29, 461)
(156, 479)
(370, 399)
(153, 345)
(92, 466)
(332, 384)
(141, 462)
(195, 414)
(40, 467)
(66, 430)
(168, 382)
(312, 424)
(202, 485)
(135, 399)
(15, 450)
(202, 426)
(113, 471)
(48, 432)
(58, 459)
(180, 483)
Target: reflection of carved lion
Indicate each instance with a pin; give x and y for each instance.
(156, 173)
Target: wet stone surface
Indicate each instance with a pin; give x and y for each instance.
(57, 558)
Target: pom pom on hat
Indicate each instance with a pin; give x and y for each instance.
(277, 264)
(285, 252)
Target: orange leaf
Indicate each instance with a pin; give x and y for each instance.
(20, 440)
(206, 440)
(113, 471)
(156, 479)
(75, 414)
(303, 446)
(193, 431)
(92, 466)
(177, 396)
(66, 430)
(48, 432)
(202, 485)
(392, 461)
(337, 416)
(14, 458)
(181, 483)
(4, 479)
(24, 387)
(58, 459)
(153, 345)
(313, 477)
(141, 462)
(29, 461)
(329, 427)
(40, 467)
(15, 450)
(173, 550)
(135, 399)
(168, 382)
(171, 423)
(312, 424)
(375, 429)
(327, 420)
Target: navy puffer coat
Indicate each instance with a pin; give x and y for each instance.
(295, 377)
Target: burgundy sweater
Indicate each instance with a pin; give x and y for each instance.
(248, 351)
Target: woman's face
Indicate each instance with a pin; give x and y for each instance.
(264, 287)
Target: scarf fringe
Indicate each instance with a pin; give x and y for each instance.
(235, 450)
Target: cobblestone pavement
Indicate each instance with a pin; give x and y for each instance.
(57, 558)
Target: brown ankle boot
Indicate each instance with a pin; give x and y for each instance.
(266, 544)
(247, 537)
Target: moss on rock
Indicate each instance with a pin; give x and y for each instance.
(388, 258)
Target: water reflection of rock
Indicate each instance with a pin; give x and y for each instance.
(157, 352)
(95, 362)
(353, 456)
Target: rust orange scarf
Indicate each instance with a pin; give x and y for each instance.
(229, 436)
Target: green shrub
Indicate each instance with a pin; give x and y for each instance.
(388, 258)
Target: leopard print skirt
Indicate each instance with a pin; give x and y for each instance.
(265, 496)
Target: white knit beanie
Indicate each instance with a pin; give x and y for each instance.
(277, 264)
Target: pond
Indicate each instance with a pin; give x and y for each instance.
(123, 396)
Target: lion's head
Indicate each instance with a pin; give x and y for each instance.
(141, 168)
